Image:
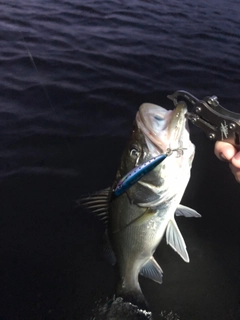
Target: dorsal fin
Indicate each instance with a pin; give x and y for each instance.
(97, 202)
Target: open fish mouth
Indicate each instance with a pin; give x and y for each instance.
(164, 128)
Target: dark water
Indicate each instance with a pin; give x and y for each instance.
(73, 74)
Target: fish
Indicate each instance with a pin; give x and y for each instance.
(137, 220)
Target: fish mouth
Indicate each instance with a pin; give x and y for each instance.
(164, 128)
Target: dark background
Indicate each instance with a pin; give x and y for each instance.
(72, 78)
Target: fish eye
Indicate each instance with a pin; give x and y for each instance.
(134, 152)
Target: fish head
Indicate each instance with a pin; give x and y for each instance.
(155, 131)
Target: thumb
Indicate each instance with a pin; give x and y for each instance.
(236, 160)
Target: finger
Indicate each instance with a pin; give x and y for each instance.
(224, 150)
(235, 171)
(236, 160)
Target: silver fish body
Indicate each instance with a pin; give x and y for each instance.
(138, 219)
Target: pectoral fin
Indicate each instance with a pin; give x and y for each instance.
(186, 212)
(175, 240)
(146, 216)
(152, 270)
(143, 218)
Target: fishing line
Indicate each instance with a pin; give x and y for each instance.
(45, 91)
(36, 69)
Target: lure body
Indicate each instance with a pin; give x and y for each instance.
(137, 173)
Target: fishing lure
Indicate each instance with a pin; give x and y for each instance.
(138, 172)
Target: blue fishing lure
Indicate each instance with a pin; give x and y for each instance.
(137, 173)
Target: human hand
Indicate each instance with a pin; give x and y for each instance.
(227, 152)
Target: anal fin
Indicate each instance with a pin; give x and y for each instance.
(152, 271)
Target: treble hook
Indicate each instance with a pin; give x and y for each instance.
(179, 150)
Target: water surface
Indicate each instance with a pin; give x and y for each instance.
(72, 78)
